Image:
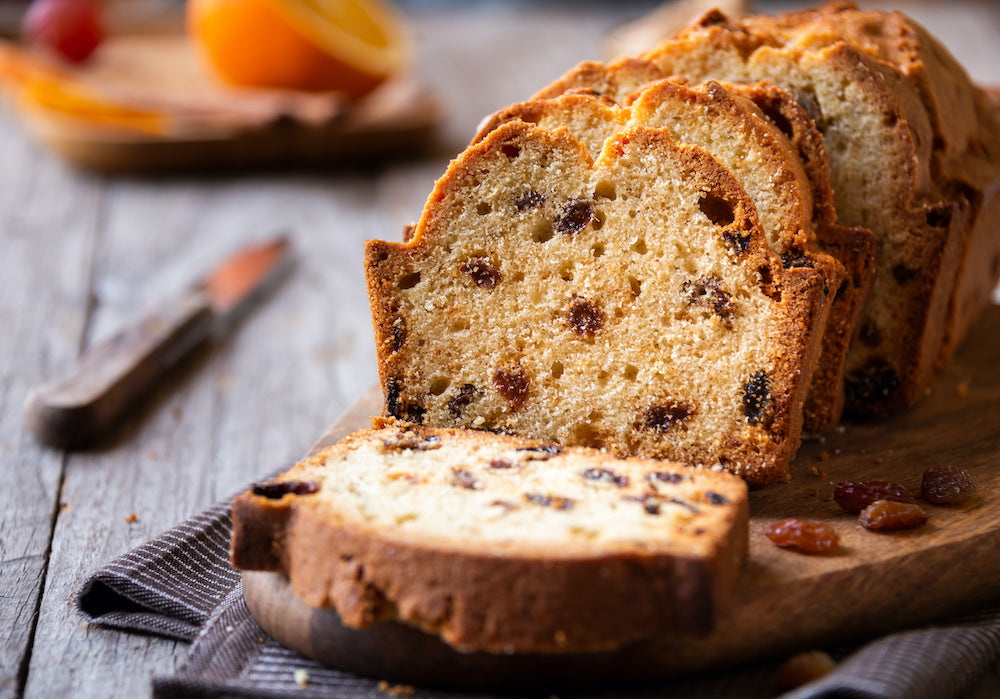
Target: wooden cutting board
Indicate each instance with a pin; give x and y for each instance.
(785, 601)
(189, 120)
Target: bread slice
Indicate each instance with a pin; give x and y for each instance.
(727, 123)
(499, 544)
(966, 135)
(878, 140)
(630, 304)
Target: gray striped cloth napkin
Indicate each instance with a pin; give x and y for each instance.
(181, 585)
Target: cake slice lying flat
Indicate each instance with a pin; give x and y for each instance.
(499, 544)
(630, 303)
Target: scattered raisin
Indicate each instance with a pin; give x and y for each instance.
(463, 478)
(554, 501)
(410, 439)
(855, 496)
(275, 490)
(887, 515)
(663, 477)
(398, 334)
(585, 317)
(739, 241)
(575, 216)
(806, 536)
(398, 408)
(605, 475)
(708, 293)
(543, 453)
(716, 498)
(757, 398)
(482, 272)
(531, 200)
(947, 485)
(513, 384)
(465, 395)
(790, 260)
(663, 416)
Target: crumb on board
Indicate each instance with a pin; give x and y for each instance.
(301, 677)
(395, 690)
(132, 518)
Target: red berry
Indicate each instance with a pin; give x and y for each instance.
(71, 28)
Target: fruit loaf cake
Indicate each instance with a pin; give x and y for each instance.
(737, 133)
(878, 139)
(966, 146)
(630, 303)
(498, 544)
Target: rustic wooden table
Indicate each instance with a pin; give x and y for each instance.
(82, 254)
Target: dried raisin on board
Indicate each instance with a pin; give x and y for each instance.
(855, 496)
(275, 490)
(806, 536)
(889, 515)
(947, 485)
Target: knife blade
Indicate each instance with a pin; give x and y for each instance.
(111, 378)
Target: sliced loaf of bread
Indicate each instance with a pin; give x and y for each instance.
(878, 139)
(732, 127)
(630, 303)
(499, 544)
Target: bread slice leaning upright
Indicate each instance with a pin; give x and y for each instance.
(630, 303)
(498, 544)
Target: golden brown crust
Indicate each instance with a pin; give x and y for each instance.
(482, 598)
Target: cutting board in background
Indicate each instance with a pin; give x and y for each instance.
(165, 112)
(785, 601)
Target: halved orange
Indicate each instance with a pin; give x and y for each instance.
(349, 46)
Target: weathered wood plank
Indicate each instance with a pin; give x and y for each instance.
(259, 401)
(47, 222)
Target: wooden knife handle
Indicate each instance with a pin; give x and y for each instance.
(111, 377)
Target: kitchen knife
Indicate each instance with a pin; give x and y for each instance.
(112, 377)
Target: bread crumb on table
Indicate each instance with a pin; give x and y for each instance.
(301, 678)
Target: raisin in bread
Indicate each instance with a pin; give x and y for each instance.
(737, 133)
(498, 544)
(878, 139)
(966, 144)
(629, 303)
